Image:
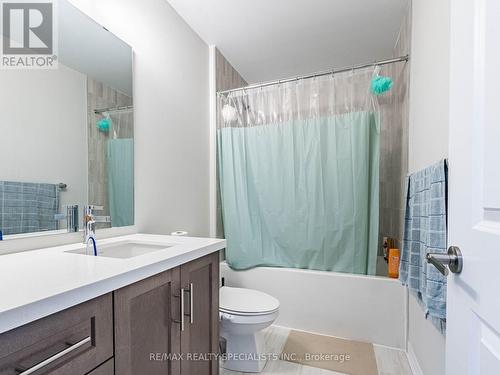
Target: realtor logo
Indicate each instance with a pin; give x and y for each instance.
(28, 30)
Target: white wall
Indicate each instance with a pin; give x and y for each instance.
(171, 103)
(44, 129)
(429, 121)
(364, 308)
(425, 342)
(429, 96)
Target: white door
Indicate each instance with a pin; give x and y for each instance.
(473, 321)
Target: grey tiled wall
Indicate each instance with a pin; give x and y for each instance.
(226, 78)
(394, 144)
(101, 96)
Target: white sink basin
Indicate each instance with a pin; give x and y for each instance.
(122, 250)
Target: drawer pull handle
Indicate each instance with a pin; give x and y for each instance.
(191, 300)
(182, 310)
(55, 357)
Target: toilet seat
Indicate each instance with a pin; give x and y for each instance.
(248, 319)
(246, 302)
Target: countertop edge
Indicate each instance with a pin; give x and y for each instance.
(31, 312)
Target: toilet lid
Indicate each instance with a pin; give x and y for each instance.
(246, 301)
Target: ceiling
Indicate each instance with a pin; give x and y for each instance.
(273, 39)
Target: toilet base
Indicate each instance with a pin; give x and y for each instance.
(244, 353)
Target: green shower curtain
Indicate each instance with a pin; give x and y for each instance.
(120, 165)
(302, 194)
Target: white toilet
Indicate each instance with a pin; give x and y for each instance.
(244, 313)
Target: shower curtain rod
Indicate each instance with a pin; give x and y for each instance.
(318, 74)
(114, 109)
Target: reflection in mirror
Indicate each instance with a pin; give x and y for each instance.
(111, 153)
(67, 137)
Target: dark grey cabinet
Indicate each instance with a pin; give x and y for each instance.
(144, 330)
(73, 341)
(107, 368)
(168, 324)
(200, 338)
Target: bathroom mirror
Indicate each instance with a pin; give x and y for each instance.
(67, 133)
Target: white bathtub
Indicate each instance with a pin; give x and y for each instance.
(364, 308)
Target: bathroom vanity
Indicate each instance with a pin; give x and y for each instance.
(69, 313)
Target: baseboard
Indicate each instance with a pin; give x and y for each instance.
(412, 359)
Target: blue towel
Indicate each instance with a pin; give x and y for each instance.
(426, 231)
(28, 207)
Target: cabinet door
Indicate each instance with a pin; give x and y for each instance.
(107, 368)
(201, 329)
(73, 341)
(145, 332)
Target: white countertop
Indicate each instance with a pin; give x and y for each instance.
(37, 283)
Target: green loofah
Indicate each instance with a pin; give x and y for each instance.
(104, 124)
(381, 84)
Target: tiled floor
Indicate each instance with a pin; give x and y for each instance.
(389, 361)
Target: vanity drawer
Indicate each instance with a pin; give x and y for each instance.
(74, 341)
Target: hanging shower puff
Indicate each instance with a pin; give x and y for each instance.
(380, 84)
(105, 123)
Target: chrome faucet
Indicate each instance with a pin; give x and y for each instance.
(89, 221)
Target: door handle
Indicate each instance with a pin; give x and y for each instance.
(453, 260)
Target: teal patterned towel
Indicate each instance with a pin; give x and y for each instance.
(28, 207)
(426, 231)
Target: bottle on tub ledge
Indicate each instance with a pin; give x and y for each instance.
(393, 258)
(385, 246)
